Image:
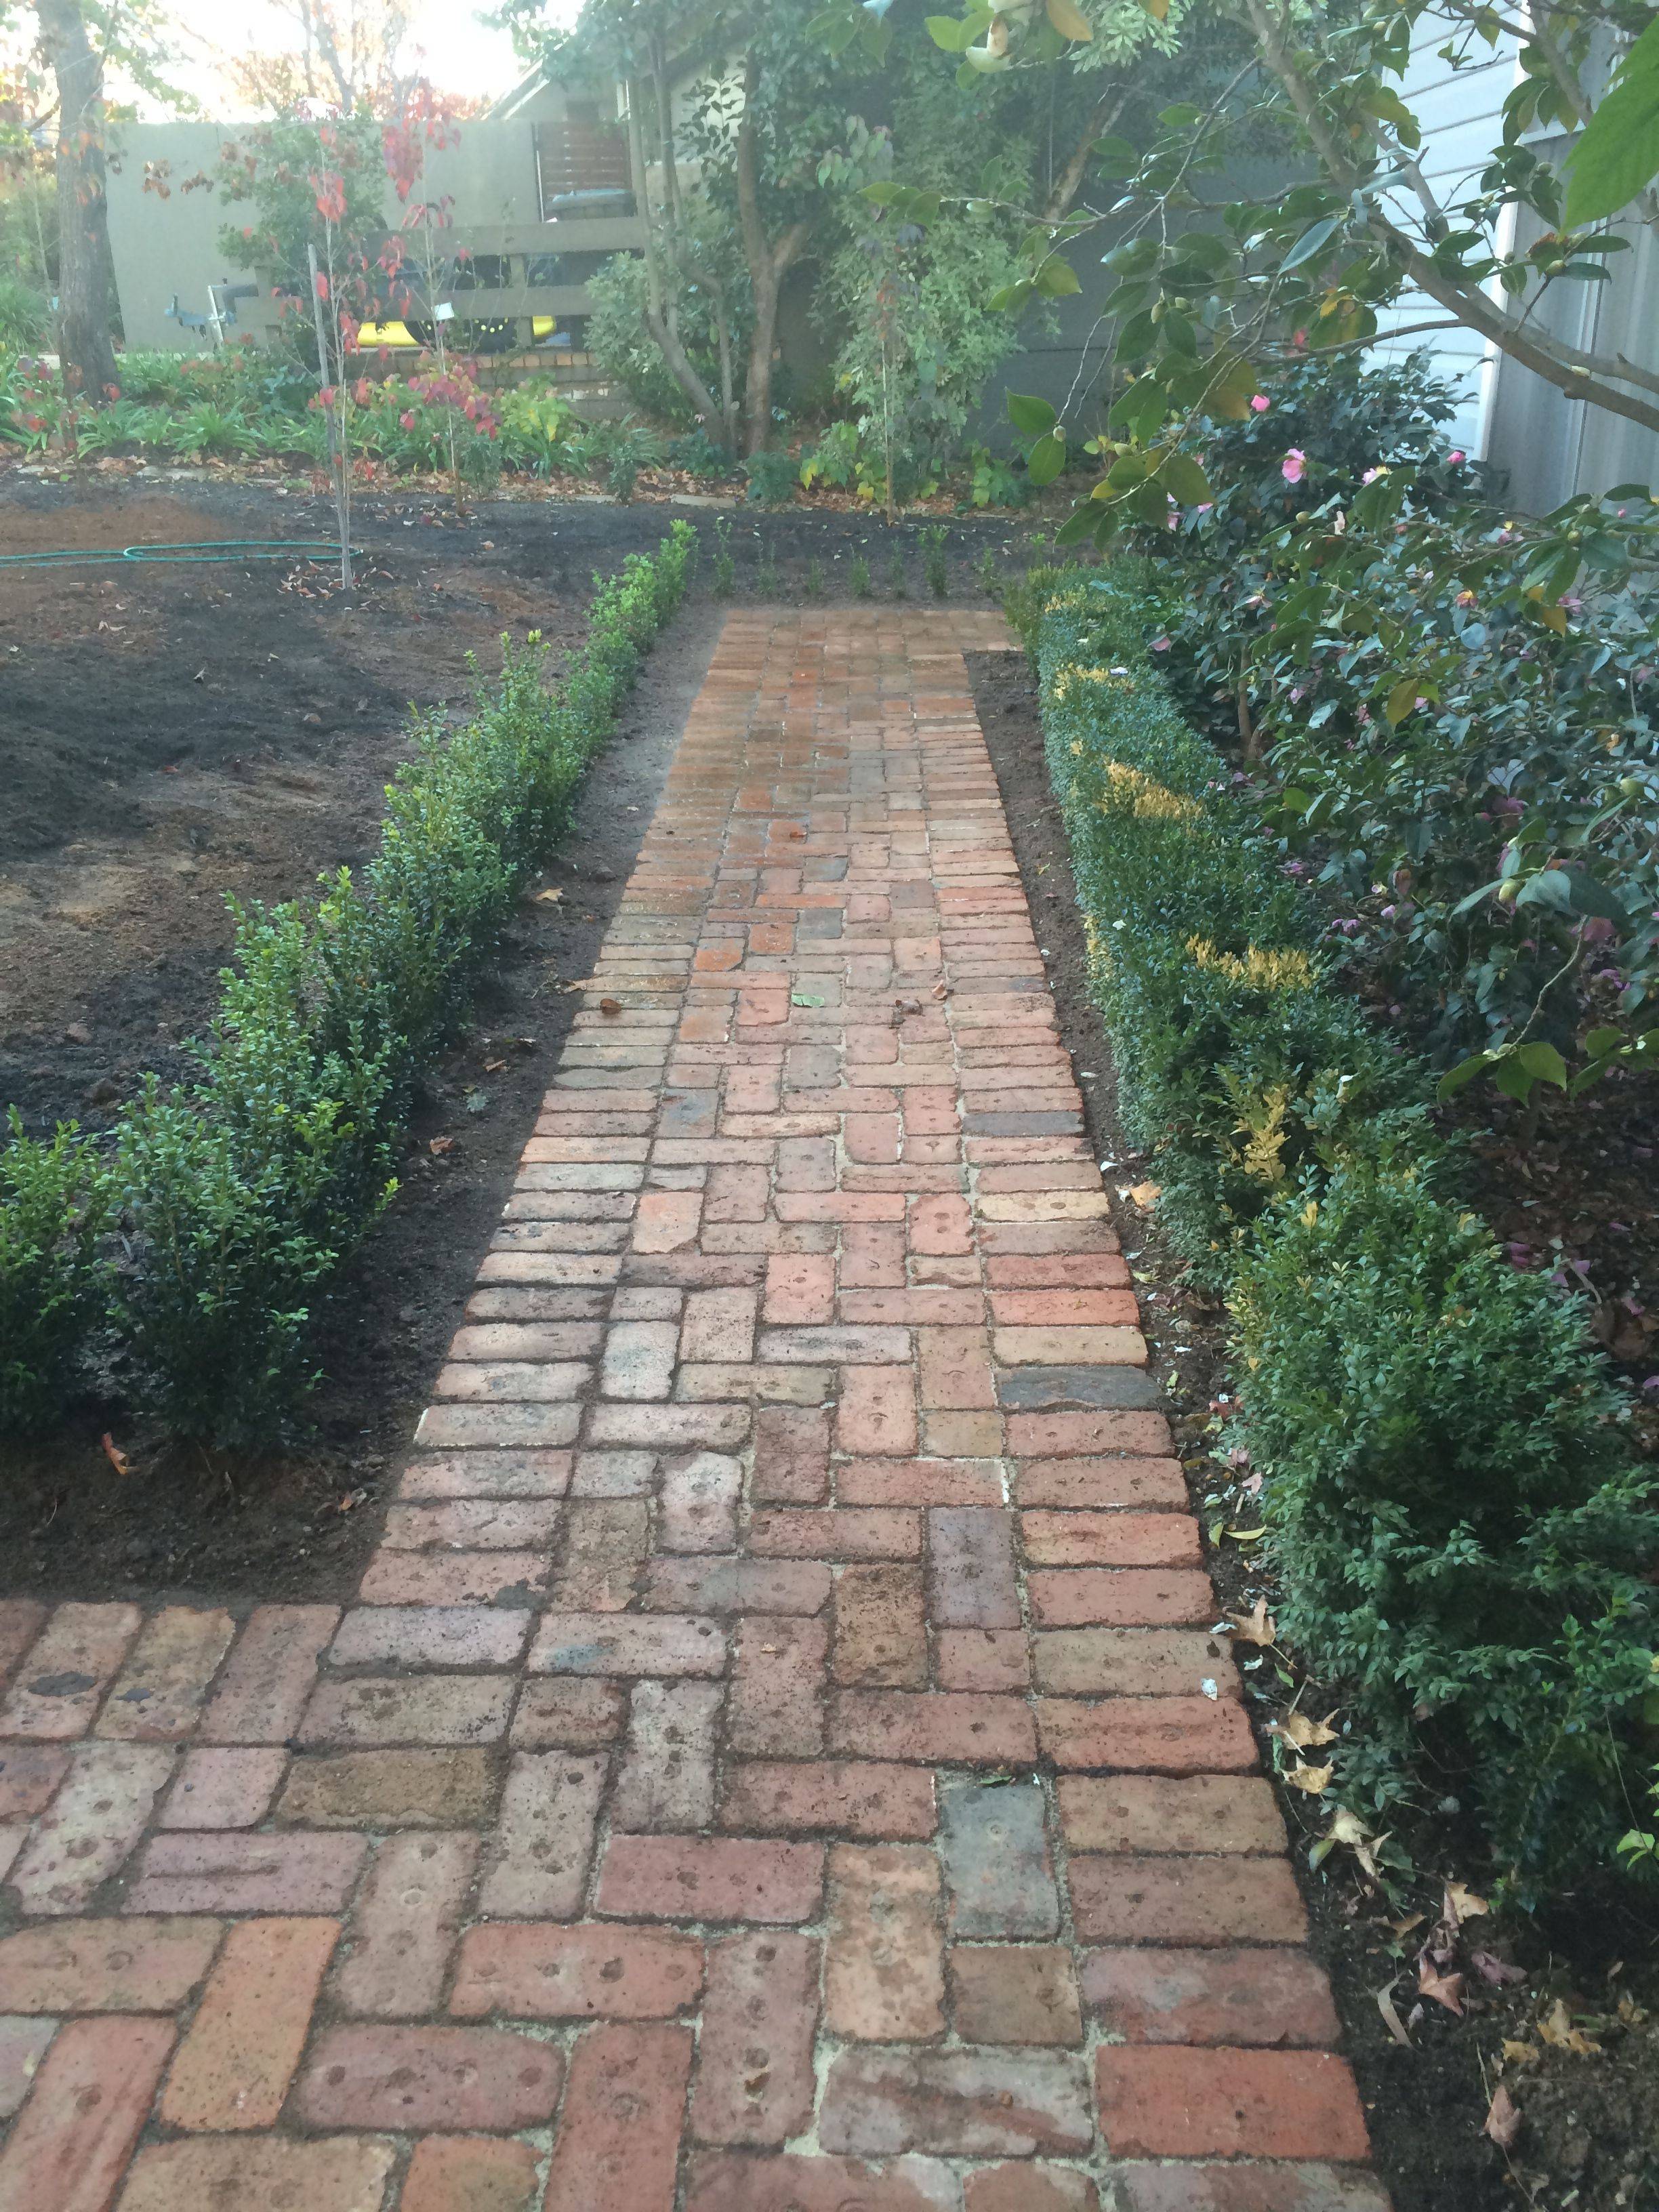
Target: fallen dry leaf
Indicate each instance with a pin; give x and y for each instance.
(1557, 2031)
(1305, 1734)
(1256, 1626)
(1348, 1828)
(612, 1006)
(1403, 1928)
(906, 1005)
(1391, 2018)
(112, 1452)
(493, 1067)
(1313, 1779)
(437, 1145)
(941, 991)
(1445, 1988)
(1520, 2054)
(1502, 2118)
(548, 898)
(1495, 1970)
(1146, 1194)
(1463, 1903)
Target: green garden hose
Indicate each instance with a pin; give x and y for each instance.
(210, 549)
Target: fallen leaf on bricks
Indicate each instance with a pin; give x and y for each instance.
(1502, 2118)
(612, 1006)
(941, 991)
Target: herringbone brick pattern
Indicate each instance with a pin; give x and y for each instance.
(780, 1759)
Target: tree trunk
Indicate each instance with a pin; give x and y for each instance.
(86, 353)
(661, 308)
(768, 262)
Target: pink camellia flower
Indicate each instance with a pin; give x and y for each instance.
(1160, 645)
(1455, 459)
(1261, 403)
(1294, 466)
(407, 419)
(1371, 475)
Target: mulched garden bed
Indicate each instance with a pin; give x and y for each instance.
(1588, 2136)
(144, 795)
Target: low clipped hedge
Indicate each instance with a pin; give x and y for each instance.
(240, 1194)
(1461, 1529)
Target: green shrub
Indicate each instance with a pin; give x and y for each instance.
(25, 315)
(54, 1199)
(1452, 1506)
(772, 478)
(1460, 1528)
(243, 1191)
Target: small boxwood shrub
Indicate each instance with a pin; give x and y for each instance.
(54, 1199)
(1458, 1521)
(242, 1192)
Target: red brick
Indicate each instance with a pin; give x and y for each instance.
(873, 1255)
(1100, 1482)
(972, 1582)
(836, 1532)
(419, 2079)
(792, 1456)
(798, 1288)
(938, 1727)
(224, 1788)
(94, 1820)
(1049, 1309)
(884, 1978)
(420, 1578)
(158, 1695)
(706, 1878)
(953, 1369)
(1132, 1662)
(666, 1220)
(413, 1709)
(1166, 1735)
(1232, 2188)
(539, 1972)
(1111, 1540)
(211, 2173)
(881, 1627)
(29, 1775)
(21, 1619)
(970, 2104)
(836, 1796)
(570, 1713)
(541, 1850)
(940, 1225)
(1156, 1813)
(919, 1482)
(58, 1685)
(1168, 2102)
(776, 1705)
(755, 2080)
(23, 2046)
(1187, 1901)
(267, 1680)
(296, 1873)
(619, 2133)
(404, 1924)
(1220, 1996)
(1028, 2188)
(1035, 1436)
(725, 2181)
(233, 2068)
(469, 2174)
(105, 1966)
(981, 1659)
(1125, 1597)
(877, 1412)
(1014, 1993)
(71, 2143)
(1041, 1271)
(606, 1543)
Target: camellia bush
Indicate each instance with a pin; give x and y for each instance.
(240, 1194)
(1462, 1531)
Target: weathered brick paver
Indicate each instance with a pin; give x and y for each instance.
(780, 1759)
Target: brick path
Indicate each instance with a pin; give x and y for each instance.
(778, 1760)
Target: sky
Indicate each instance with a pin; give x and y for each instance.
(462, 55)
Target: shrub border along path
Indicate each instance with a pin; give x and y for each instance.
(778, 1756)
(1462, 1533)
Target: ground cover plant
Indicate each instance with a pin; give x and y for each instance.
(1450, 1497)
(240, 1192)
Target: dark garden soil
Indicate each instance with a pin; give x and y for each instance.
(1589, 2132)
(169, 735)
